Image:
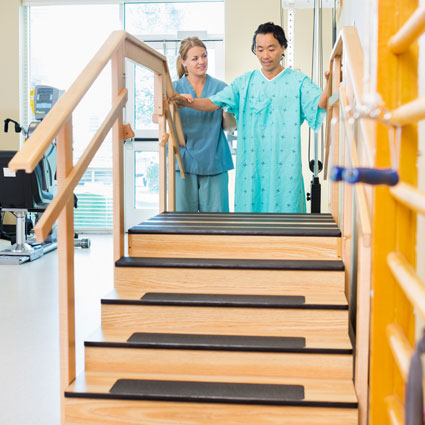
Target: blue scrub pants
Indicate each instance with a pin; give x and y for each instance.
(202, 193)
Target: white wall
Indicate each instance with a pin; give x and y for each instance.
(9, 81)
(242, 18)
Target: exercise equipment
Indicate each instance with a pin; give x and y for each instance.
(369, 175)
(28, 194)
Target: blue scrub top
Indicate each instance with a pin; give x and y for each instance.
(207, 150)
(269, 114)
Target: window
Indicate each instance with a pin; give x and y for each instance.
(79, 31)
(162, 25)
(56, 61)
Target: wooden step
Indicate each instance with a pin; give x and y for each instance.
(89, 399)
(338, 302)
(314, 279)
(310, 299)
(224, 355)
(230, 235)
(140, 316)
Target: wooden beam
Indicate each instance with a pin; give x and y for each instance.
(395, 410)
(66, 192)
(118, 84)
(33, 149)
(66, 266)
(408, 113)
(409, 281)
(363, 208)
(410, 196)
(142, 57)
(409, 32)
(400, 347)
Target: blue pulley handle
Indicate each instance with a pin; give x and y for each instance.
(336, 173)
(374, 176)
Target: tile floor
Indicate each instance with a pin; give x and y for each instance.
(29, 341)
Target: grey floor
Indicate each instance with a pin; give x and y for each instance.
(29, 341)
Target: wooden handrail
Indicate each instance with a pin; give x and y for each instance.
(408, 113)
(54, 208)
(409, 32)
(33, 150)
(408, 280)
(395, 410)
(364, 214)
(400, 347)
(348, 44)
(409, 196)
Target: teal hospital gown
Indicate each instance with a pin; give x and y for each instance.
(269, 115)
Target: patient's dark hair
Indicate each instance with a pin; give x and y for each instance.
(270, 28)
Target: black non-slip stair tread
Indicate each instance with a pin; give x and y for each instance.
(240, 224)
(213, 263)
(205, 342)
(210, 392)
(225, 218)
(322, 221)
(175, 298)
(222, 301)
(234, 230)
(263, 214)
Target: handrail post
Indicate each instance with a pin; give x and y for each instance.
(171, 177)
(159, 102)
(118, 83)
(66, 267)
(336, 79)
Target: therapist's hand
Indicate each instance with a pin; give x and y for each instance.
(181, 100)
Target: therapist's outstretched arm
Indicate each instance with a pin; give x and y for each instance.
(200, 104)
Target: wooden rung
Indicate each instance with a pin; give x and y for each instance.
(400, 347)
(409, 281)
(409, 32)
(410, 196)
(408, 113)
(395, 410)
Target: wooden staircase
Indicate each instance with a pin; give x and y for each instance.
(222, 319)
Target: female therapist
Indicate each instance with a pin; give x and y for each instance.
(206, 156)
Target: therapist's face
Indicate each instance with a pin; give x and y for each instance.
(196, 61)
(269, 52)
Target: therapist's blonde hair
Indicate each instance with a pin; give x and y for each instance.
(185, 46)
